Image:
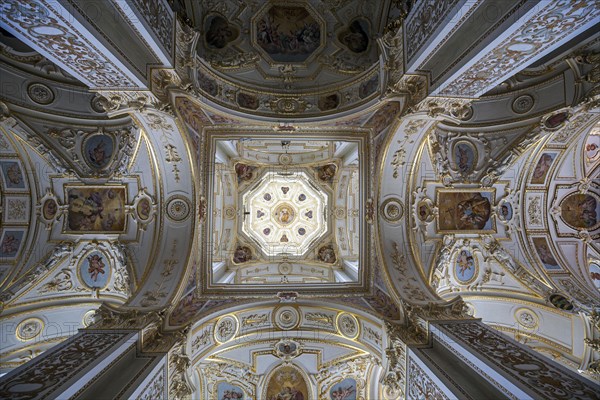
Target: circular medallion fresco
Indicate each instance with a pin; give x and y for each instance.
(284, 214)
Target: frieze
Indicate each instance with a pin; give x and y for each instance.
(70, 47)
(47, 373)
(531, 39)
(420, 384)
(540, 376)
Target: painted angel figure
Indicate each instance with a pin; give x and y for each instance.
(96, 266)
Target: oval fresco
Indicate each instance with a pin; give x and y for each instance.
(49, 209)
(465, 267)
(227, 391)
(595, 274)
(344, 390)
(465, 157)
(560, 301)
(556, 120)
(505, 211)
(98, 151)
(592, 148)
(581, 211)
(143, 209)
(94, 270)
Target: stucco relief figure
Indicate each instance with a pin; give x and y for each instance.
(242, 254)
(244, 172)
(383, 304)
(326, 254)
(542, 167)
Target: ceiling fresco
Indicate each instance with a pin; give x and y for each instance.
(294, 193)
(306, 59)
(285, 214)
(286, 211)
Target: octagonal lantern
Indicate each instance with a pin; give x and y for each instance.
(285, 213)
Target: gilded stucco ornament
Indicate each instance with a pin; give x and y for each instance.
(286, 317)
(287, 349)
(40, 93)
(455, 108)
(348, 325)
(178, 208)
(392, 210)
(226, 328)
(29, 329)
(523, 104)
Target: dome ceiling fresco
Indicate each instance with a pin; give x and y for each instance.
(286, 213)
(305, 59)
